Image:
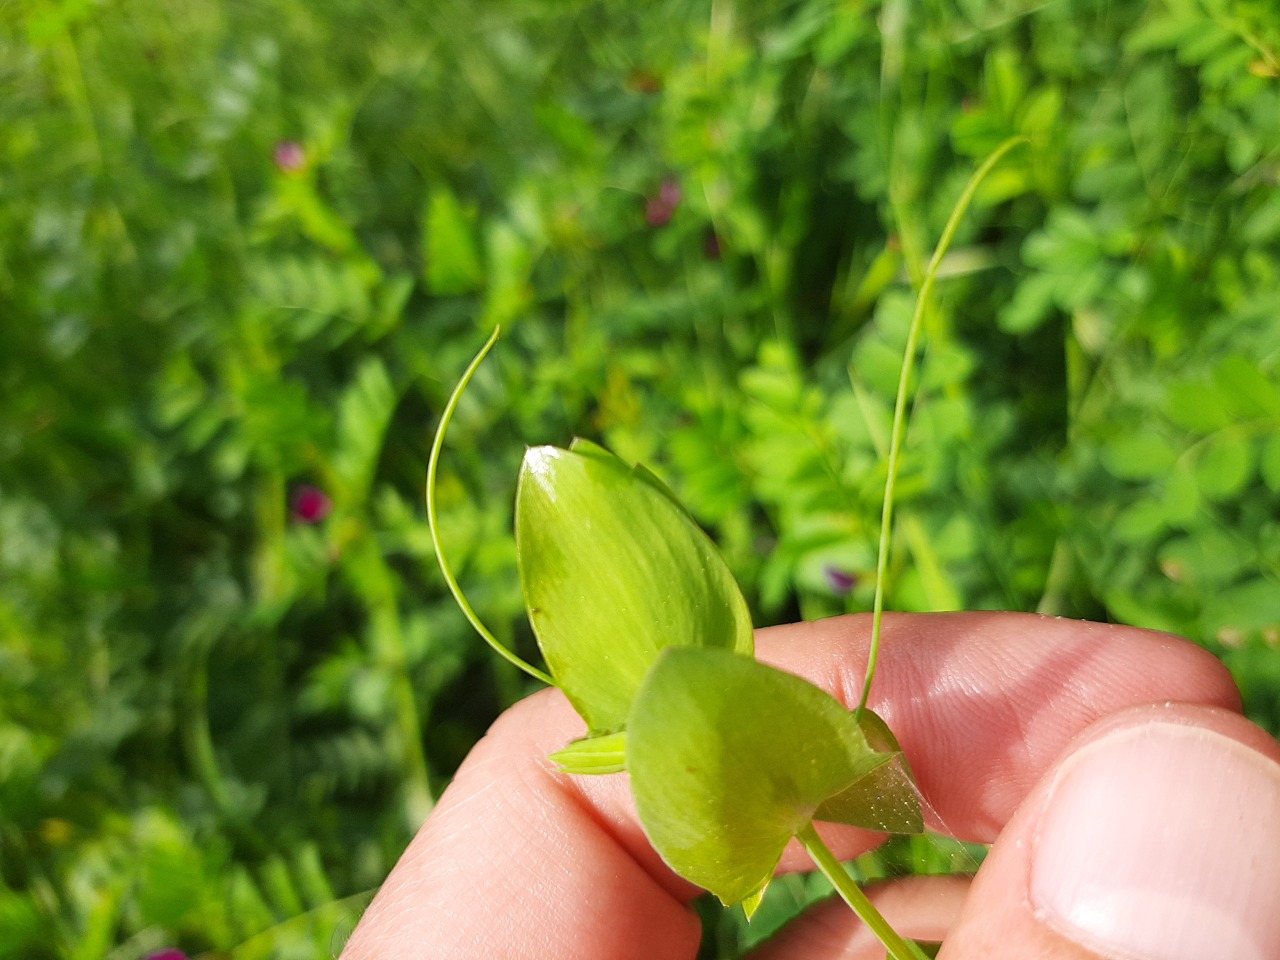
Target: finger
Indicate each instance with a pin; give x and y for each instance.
(518, 860)
(921, 908)
(1155, 838)
(982, 703)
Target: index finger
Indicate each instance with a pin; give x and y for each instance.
(521, 861)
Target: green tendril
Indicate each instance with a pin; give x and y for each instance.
(900, 402)
(432, 464)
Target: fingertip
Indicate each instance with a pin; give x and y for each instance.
(516, 862)
(1151, 839)
(982, 702)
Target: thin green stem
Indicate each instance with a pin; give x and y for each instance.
(898, 947)
(900, 403)
(445, 569)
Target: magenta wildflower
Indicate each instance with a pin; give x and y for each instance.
(659, 209)
(311, 504)
(839, 581)
(289, 156)
(170, 953)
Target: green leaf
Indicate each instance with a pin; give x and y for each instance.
(1224, 465)
(1207, 558)
(364, 415)
(643, 473)
(1180, 500)
(751, 903)
(1140, 455)
(1141, 520)
(1197, 406)
(1252, 605)
(614, 570)
(450, 249)
(1247, 391)
(1270, 464)
(1034, 298)
(508, 291)
(593, 755)
(886, 798)
(729, 759)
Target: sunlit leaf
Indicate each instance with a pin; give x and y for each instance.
(593, 755)
(751, 903)
(1224, 464)
(730, 758)
(1139, 455)
(452, 256)
(1253, 605)
(1270, 463)
(886, 798)
(1247, 390)
(1197, 406)
(614, 570)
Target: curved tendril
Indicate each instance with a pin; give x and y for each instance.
(452, 581)
(900, 402)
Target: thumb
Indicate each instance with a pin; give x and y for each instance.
(1155, 837)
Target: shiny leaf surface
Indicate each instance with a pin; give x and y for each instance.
(614, 570)
(730, 759)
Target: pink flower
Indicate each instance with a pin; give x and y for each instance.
(289, 156)
(311, 504)
(659, 209)
(171, 953)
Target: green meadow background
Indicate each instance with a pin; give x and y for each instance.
(246, 248)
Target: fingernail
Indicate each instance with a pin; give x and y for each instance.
(1162, 842)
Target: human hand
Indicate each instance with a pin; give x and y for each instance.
(1134, 813)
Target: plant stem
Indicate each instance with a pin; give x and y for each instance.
(898, 947)
(1057, 581)
(432, 463)
(900, 403)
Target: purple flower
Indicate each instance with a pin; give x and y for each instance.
(839, 582)
(169, 953)
(659, 209)
(311, 504)
(289, 156)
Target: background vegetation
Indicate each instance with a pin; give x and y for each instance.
(246, 248)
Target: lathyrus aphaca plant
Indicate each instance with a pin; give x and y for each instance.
(645, 631)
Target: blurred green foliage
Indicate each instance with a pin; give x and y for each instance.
(246, 248)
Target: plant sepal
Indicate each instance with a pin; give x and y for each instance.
(885, 799)
(592, 756)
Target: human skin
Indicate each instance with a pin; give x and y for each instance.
(994, 712)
